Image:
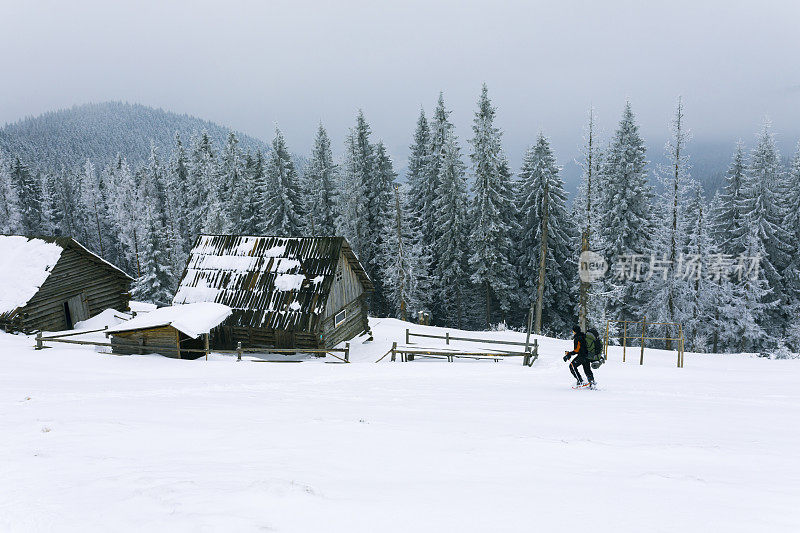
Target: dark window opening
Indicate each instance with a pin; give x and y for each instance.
(67, 315)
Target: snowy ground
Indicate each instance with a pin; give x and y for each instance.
(95, 442)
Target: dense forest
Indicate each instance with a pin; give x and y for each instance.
(466, 238)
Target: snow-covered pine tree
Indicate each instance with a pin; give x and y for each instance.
(541, 183)
(231, 182)
(585, 208)
(428, 190)
(200, 184)
(253, 190)
(755, 297)
(10, 221)
(176, 183)
(283, 202)
(451, 282)
(378, 203)
(669, 293)
(701, 311)
(155, 283)
(51, 212)
(791, 223)
(729, 229)
(405, 268)
(625, 215)
(493, 218)
(92, 209)
(127, 204)
(357, 174)
(29, 198)
(320, 186)
(418, 161)
(762, 204)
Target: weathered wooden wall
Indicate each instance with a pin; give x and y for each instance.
(134, 342)
(74, 274)
(354, 324)
(343, 290)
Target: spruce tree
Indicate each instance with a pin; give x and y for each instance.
(201, 184)
(626, 215)
(492, 216)
(357, 176)
(761, 202)
(10, 219)
(253, 191)
(29, 198)
(791, 223)
(231, 182)
(540, 184)
(155, 283)
(451, 283)
(379, 196)
(669, 293)
(283, 201)
(729, 229)
(405, 264)
(320, 186)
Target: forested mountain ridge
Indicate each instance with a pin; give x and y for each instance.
(100, 131)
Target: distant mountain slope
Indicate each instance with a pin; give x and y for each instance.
(101, 131)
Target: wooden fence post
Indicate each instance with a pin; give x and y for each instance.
(39, 340)
(408, 334)
(206, 346)
(394, 349)
(624, 338)
(641, 357)
(347, 352)
(447, 337)
(239, 351)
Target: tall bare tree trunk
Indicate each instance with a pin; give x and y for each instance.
(400, 251)
(673, 250)
(584, 288)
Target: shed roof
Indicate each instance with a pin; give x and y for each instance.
(270, 282)
(191, 319)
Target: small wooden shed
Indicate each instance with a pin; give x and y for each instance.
(51, 283)
(285, 292)
(178, 331)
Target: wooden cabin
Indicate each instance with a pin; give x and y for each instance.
(286, 292)
(51, 283)
(178, 331)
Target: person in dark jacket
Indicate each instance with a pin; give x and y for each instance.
(582, 359)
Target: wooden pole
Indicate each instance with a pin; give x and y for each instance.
(408, 334)
(447, 337)
(39, 340)
(206, 347)
(239, 351)
(641, 357)
(624, 338)
(347, 352)
(530, 325)
(394, 349)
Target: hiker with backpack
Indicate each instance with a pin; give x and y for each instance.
(588, 349)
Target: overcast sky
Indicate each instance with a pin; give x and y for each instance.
(250, 65)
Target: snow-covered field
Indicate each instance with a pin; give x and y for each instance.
(95, 442)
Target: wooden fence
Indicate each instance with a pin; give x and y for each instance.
(239, 351)
(679, 340)
(529, 355)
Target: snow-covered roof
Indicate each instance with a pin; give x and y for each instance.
(25, 264)
(190, 319)
(270, 282)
